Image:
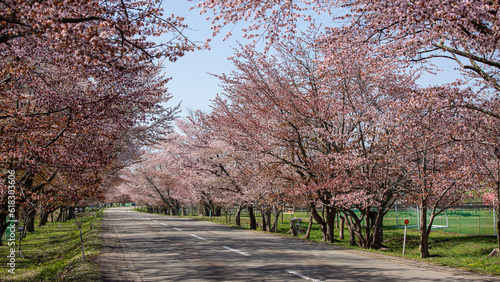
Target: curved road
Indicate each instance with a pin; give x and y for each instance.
(147, 247)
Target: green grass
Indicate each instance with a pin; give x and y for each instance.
(448, 249)
(464, 221)
(54, 253)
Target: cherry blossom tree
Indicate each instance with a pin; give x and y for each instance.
(76, 78)
(462, 31)
(484, 149)
(438, 166)
(405, 34)
(223, 173)
(319, 126)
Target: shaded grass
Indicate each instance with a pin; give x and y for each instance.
(447, 249)
(54, 252)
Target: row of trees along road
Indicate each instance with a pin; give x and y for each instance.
(333, 117)
(80, 94)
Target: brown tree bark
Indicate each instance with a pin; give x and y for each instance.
(330, 213)
(44, 217)
(497, 207)
(309, 227)
(341, 228)
(253, 221)
(3, 224)
(264, 223)
(293, 230)
(317, 217)
(30, 220)
(274, 228)
(237, 217)
(424, 232)
(71, 213)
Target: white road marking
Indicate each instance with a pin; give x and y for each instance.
(236, 251)
(155, 220)
(302, 276)
(164, 224)
(177, 229)
(196, 236)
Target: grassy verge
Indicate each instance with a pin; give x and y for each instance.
(54, 253)
(447, 249)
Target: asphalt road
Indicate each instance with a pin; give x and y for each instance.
(146, 247)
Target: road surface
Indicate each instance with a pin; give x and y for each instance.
(147, 247)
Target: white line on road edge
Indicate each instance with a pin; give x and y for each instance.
(177, 229)
(302, 276)
(236, 251)
(196, 236)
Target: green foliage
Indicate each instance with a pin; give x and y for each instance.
(54, 253)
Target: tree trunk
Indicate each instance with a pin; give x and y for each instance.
(71, 213)
(200, 208)
(44, 217)
(341, 229)
(309, 226)
(293, 229)
(3, 224)
(350, 219)
(30, 220)
(368, 226)
(319, 220)
(237, 216)
(330, 223)
(497, 207)
(276, 219)
(264, 223)
(60, 216)
(424, 234)
(378, 234)
(352, 235)
(378, 230)
(217, 211)
(268, 214)
(253, 221)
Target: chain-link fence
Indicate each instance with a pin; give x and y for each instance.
(473, 219)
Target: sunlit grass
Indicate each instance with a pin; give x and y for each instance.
(54, 253)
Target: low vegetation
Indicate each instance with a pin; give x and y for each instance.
(54, 253)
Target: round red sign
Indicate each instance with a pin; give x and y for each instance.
(407, 221)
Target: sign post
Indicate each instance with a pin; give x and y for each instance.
(79, 224)
(404, 239)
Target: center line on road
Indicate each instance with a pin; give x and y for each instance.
(236, 251)
(196, 236)
(302, 276)
(177, 229)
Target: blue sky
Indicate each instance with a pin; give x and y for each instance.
(191, 80)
